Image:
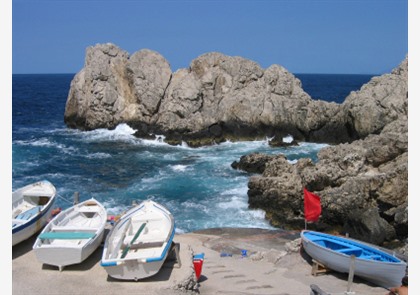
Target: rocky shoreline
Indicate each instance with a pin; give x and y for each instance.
(363, 185)
(362, 178)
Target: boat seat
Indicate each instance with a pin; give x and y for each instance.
(59, 228)
(317, 239)
(372, 257)
(88, 209)
(133, 239)
(66, 235)
(26, 215)
(144, 239)
(142, 245)
(356, 251)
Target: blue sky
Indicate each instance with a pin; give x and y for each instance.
(304, 36)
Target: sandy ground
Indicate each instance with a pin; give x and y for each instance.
(266, 269)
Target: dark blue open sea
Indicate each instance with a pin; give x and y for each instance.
(197, 184)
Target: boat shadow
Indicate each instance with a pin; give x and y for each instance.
(24, 247)
(85, 265)
(163, 275)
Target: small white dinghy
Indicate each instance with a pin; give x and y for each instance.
(31, 209)
(138, 244)
(73, 235)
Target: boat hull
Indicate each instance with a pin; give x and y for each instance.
(61, 256)
(382, 273)
(72, 236)
(134, 270)
(154, 227)
(22, 231)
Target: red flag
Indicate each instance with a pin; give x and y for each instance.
(312, 205)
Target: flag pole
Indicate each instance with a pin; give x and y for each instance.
(305, 223)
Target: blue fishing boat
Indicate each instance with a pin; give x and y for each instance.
(370, 263)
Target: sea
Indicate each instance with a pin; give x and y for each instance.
(198, 185)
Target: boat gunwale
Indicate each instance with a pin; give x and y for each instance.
(45, 210)
(108, 262)
(352, 242)
(51, 227)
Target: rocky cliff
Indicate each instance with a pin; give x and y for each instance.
(362, 179)
(218, 97)
(363, 185)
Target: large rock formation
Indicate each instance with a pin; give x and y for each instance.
(114, 87)
(218, 97)
(363, 181)
(363, 185)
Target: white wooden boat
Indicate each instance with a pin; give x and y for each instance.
(73, 235)
(138, 244)
(370, 263)
(31, 209)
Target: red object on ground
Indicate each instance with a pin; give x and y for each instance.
(198, 266)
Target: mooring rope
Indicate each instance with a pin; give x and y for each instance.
(64, 199)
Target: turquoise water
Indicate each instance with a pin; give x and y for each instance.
(197, 185)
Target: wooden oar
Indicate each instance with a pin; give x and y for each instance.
(127, 248)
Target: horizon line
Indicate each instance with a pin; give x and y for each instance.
(308, 73)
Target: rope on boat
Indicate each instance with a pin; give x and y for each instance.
(64, 199)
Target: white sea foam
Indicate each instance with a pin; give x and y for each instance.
(235, 203)
(154, 180)
(242, 190)
(199, 206)
(179, 231)
(159, 140)
(217, 195)
(257, 214)
(42, 142)
(98, 156)
(179, 168)
(184, 144)
(288, 139)
(46, 143)
(113, 209)
(122, 132)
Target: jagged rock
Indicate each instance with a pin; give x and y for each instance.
(253, 163)
(363, 185)
(218, 97)
(278, 141)
(348, 178)
(366, 224)
(114, 87)
(293, 246)
(222, 97)
(383, 100)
